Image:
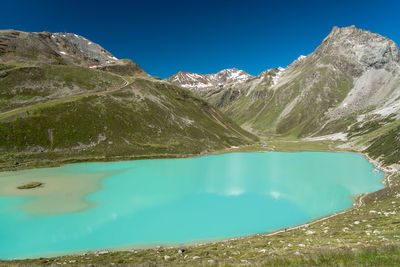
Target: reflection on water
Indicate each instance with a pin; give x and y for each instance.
(179, 200)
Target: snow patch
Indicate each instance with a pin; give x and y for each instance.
(278, 75)
(301, 57)
(335, 136)
(385, 111)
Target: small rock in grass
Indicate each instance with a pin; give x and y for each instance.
(102, 252)
(166, 257)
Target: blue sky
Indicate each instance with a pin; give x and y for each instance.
(164, 37)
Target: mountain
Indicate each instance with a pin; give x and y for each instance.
(65, 98)
(203, 82)
(51, 48)
(351, 71)
(347, 88)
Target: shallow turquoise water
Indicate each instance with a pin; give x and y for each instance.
(181, 200)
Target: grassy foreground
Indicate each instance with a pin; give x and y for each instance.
(372, 256)
(368, 234)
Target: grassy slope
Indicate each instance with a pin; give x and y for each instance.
(20, 86)
(144, 119)
(386, 147)
(320, 86)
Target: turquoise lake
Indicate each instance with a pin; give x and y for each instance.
(172, 201)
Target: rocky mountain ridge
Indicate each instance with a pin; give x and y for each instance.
(347, 89)
(201, 82)
(352, 70)
(31, 48)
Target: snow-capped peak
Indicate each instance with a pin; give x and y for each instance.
(301, 57)
(225, 77)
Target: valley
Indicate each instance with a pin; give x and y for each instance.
(65, 99)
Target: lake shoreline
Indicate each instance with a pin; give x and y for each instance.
(276, 232)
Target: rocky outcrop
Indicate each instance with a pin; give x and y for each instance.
(52, 48)
(369, 50)
(90, 49)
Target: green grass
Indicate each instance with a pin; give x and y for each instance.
(371, 124)
(370, 256)
(144, 119)
(296, 108)
(22, 86)
(386, 147)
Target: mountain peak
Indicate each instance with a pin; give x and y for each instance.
(91, 49)
(370, 50)
(225, 77)
(52, 48)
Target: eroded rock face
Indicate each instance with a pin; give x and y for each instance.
(92, 50)
(370, 50)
